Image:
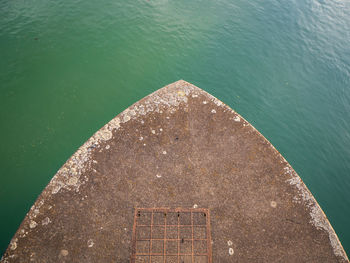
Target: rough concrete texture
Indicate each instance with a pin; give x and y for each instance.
(178, 147)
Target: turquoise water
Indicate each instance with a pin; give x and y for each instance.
(68, 67)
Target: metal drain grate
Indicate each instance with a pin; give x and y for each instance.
(164, 235)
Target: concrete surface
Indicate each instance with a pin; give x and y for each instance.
(178, 147)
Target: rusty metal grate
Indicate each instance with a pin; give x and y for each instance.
(164, 235)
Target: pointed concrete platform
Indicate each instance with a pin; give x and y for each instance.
(177, 148)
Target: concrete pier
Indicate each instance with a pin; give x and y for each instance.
(178, 153)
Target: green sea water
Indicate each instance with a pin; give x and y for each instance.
(68, 67)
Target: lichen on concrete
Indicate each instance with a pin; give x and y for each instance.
(317, 216)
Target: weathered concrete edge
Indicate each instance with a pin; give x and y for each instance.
(318, 217)
(71, 175)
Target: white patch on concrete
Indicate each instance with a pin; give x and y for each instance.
(181, 93)
(229, 243)
(72, 181)
(33, 224)
(132, 112)
(35, 213)
(237, 118)
(218, 102)
(46, 221)
(13, 244)
(90, 243)
(231, 251)
(32, 214)
(126, 118)
(273, 204)
(213, 111)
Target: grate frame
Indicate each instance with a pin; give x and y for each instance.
(191, 256)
